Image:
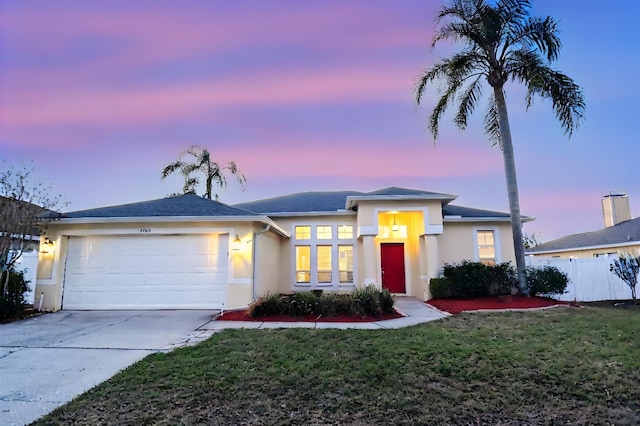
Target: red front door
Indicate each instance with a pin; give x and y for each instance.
(392, 264)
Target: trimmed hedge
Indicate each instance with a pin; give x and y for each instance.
(475, 279)
(367, 301)
(546, 281)
(440, 288)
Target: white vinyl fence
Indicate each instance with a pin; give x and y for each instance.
(590, 278)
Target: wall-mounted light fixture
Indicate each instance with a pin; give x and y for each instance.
(236, 243)
(46, 246)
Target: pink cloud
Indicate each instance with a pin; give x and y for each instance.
(149, 35)
(361, 158)
(139, 105)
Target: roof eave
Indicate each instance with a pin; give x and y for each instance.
(593, 247)
(312, 213)
(483, 219)
(168, 219)
(475, 219)
(353, 200)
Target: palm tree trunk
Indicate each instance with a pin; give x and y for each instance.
(512, 187)
(208, 186)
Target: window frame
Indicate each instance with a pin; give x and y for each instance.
(496, 243)
(337, 240)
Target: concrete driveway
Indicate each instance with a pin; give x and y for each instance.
(47, 360)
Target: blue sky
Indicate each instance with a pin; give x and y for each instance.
(303, 95)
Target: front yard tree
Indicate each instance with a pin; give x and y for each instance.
(626, 268)
(501, 42)
(201, 163)
(23, 198)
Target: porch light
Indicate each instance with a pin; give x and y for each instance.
(236, 243)
(46, 246)
(394, 228)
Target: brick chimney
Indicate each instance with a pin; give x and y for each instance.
(615, 208)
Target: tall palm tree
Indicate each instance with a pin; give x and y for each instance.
(202, 164)
(501, 42)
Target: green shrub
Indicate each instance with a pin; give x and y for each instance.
(504, 279)
(333, 304)
(475, 279)
(439, 288)
(268, 304)
(12, 302)
(300, 304)
(367, 301)
(467, 279)
(386, 301)
(370, 301)
(546, 281)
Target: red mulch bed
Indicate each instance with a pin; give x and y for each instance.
(244, 316)
(455, 306)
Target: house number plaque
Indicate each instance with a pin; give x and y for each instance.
(145, 230)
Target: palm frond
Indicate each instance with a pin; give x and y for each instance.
(233, 169)
(189, 168)
(491, 124)
(431, 74)
(468, 101)
(543, 34)
(455, 71)
(189, 186)
(566, 96)
(171, 168)
(440, 109)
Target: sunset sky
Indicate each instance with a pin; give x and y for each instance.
(304, 95)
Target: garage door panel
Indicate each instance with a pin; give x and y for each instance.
(146, 272)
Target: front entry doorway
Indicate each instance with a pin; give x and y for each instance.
(392, 265)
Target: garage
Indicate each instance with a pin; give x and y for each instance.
(146, 272)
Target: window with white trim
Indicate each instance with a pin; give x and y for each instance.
(345, 263)
(323, 232)
(303, 232)
(323, 255)
(486, 247)
(303, 264)
(324, 264)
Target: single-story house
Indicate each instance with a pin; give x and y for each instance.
(620, 239)
(620, 235)
(188, 252)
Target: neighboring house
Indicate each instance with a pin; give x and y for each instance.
(187, 252)
(620, 236)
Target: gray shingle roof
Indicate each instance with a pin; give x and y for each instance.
(333, 201)
(622, 233)
(300, 203)
(323, 201)
(449, 210)
(395, 191)
(183, 205)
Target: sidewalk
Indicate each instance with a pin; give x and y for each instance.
(415, 311)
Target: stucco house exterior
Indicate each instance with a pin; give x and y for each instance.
(187, 252)
(620, 235)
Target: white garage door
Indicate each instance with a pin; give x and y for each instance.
(146, 272)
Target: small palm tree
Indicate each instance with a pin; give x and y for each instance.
(202, 164)
(501, 43)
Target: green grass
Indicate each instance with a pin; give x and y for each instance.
(565, 365)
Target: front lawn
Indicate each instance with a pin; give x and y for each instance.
(563, 365)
